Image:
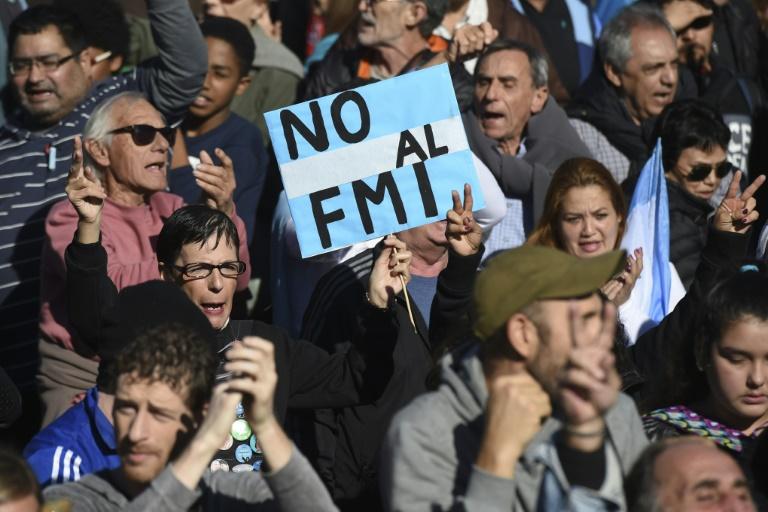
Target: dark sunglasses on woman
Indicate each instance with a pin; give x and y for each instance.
(699, 172)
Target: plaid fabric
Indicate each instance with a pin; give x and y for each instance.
(602, 150)
(508, 233)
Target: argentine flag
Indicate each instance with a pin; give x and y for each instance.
(659, 288)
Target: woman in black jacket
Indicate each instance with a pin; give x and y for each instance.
(694, 141)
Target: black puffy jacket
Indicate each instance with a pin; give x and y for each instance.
(687, 231)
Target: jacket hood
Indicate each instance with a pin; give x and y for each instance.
(462, 373)
(271, 54)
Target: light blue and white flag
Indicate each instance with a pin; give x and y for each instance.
(373, 160)
(659, 288)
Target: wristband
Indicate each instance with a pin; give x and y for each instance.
(377, 308)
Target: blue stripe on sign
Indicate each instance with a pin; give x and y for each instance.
(391, 111)
(446, 173)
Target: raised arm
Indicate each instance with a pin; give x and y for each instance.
(173, 79)
(725, 249)
(90, 293)
(449, 318)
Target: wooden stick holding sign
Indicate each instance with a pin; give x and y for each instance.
(407, 299)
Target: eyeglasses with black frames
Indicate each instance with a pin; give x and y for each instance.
(203, 270)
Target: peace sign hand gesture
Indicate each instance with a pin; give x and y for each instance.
(84, 190)
(737, 212)
(463, 233)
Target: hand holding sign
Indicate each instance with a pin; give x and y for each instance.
(391, 270)
(217, 181)
(463, 233)
(737, 212)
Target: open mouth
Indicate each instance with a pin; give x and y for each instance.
(492, 119)
(492, 115)
(589, 247)
(212, 308)
(39, 94)
(156, 167)
(201, 101)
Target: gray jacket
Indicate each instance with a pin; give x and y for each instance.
(431, 447)
(549, 141)
(296, 487)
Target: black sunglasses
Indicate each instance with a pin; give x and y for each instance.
(699, 172)
(697, 24)
(144, 134)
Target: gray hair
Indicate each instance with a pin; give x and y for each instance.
(100, 123)
(615, 45)
(536, 59)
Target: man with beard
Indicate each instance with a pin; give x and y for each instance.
(740, 100)
(170, 420)
(528, 414)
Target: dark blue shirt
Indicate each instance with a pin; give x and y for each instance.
(242, 141)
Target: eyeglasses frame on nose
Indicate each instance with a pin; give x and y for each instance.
(144, 134)
(208, 268)
(49, 66)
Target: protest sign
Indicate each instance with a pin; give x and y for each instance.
(374, 160)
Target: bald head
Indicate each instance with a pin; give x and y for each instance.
(687, 474)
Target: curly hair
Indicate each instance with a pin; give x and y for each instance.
(174, 354)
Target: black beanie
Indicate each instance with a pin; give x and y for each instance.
(141, 307)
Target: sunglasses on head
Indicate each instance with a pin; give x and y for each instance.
(144, 134)
(697, 24)
(699, 172)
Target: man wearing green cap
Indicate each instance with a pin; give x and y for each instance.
(528, 416)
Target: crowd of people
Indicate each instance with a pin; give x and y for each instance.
(164, 345)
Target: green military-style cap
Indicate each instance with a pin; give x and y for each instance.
(521, 276)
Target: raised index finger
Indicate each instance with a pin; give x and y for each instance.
(752, 188)
(77, 158)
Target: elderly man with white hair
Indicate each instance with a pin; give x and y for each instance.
(127, 144)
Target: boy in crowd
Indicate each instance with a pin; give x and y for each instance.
(211, 125)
